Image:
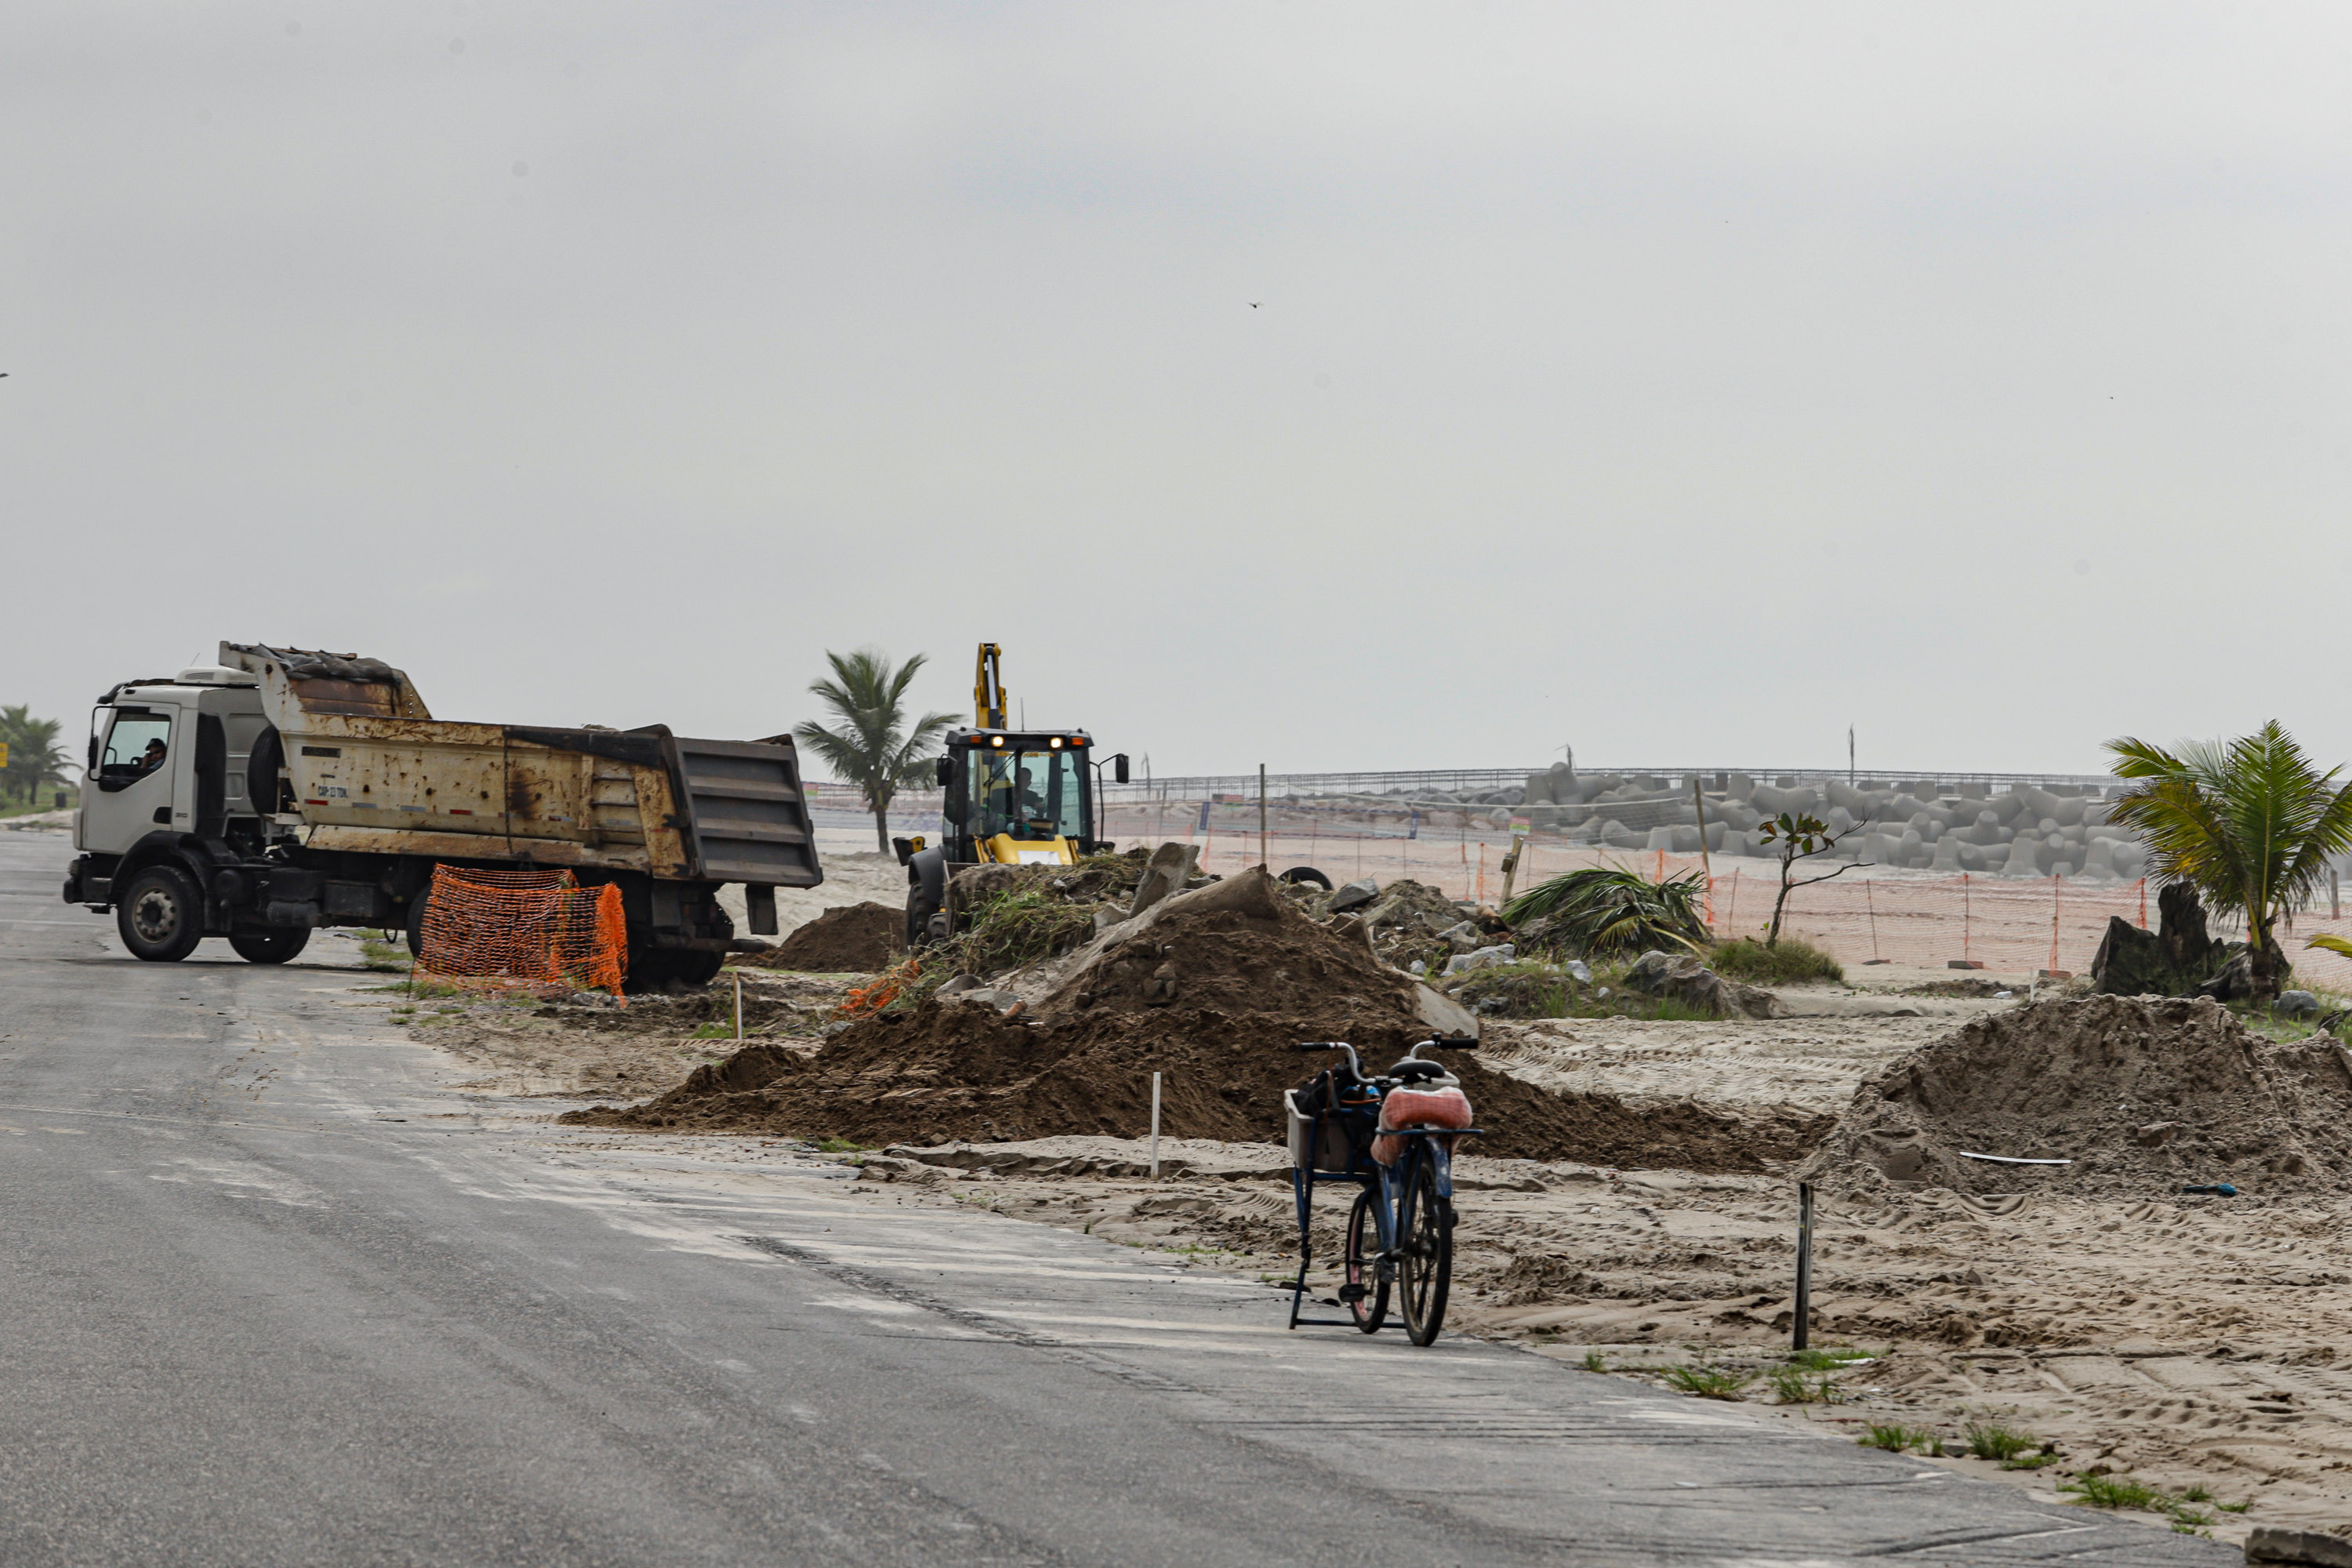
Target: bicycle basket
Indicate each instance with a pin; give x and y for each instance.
(1327, 1142)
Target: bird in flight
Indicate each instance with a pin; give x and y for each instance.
(1254, 303)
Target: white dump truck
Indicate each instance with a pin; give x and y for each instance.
(283, 789)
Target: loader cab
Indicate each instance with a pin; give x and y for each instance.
(1017, 799)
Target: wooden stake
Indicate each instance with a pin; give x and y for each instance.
(1155, 1127)
(1803, 1316)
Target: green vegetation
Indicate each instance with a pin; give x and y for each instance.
(1790, 963)
(2251, 824)
(1800, 837)
(1835, 1358)
(1709, 1382)
(1025, 925)
(1609, 911)
(1595, 1362)
(1791, 1386)
(2235, 1506)
(1896, 1438)
(725, 1031)
(839, 1146)
(1993, 1440)
(2122, 1491)
(382, 951)
(35, 757)
(874, 747)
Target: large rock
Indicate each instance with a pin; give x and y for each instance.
(1683, 979)
(1354, 895)
(1170, 867)
(2174, 960)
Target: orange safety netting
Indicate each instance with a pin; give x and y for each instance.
(523, 929)
(2014, 924)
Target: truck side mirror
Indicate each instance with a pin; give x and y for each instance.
(1119, 768)
(945, 770)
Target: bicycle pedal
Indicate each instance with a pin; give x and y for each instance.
(1351, 1294)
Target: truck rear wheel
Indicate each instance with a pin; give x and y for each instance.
(415, 920)
(651, 969)
(160, 915)
(269, 946)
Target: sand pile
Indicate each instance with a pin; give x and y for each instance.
(2143, 1094)
(1211, 989)
(853, 939)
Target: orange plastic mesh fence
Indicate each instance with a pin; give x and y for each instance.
(531, 929)
(2014, 924)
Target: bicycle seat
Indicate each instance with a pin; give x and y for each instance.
(1417, 1072)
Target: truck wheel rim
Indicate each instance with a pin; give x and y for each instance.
(156, 915)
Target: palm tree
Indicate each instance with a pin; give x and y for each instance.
(873, 748)
(2251, 824)
(35, 757)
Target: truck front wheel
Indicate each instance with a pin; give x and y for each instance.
(269, 946)
(160, 915)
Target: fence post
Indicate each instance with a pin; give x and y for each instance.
(1870, 898)
(2053, 922)
(2143, 903)
(1260, 817)
(1965, 919)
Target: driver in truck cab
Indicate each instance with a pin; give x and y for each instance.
(152, 759)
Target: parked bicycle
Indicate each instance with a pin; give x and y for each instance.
(1391, 1136)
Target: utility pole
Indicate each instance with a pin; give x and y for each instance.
(1849, 756)
(1260, 817)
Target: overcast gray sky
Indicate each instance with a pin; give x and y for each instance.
(1685, 381)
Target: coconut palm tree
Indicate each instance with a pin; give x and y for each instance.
(35, 757)
(2251, 824)
(873, 747)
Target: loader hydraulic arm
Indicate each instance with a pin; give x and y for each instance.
(988, 688)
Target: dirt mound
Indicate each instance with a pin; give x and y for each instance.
(2143, 1094)
(949, 1070)
(853, 939)
(1236, 947)
(1211, 989)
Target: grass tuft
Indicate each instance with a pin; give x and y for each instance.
(1709, 1382)
(1790, 1386)
(1896, 1437)
(1837, 1358)
(1993, 1440)
(1791, 962)
(1595, 1362)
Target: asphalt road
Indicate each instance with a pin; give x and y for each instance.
(272, 1291)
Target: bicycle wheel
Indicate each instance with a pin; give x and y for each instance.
(1365, 1293)
(1425, 1251)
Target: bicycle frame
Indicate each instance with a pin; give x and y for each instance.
(1364, 1174)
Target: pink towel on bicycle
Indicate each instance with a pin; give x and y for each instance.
(1402, 1108)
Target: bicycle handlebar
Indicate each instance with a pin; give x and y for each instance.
(1354, 1066)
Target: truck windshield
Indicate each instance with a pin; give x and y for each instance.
(1029, 794)
(135, 746)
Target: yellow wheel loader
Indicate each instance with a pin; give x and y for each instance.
(1013, 797)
